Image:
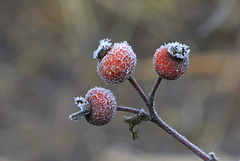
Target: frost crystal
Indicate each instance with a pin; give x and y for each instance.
(178, 50)
(213, 155)
(81, 102)
(84, 106)
(109, 98)
(141, 112)
(104, 44)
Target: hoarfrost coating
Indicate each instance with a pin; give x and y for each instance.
(83, 105)
(81, 102)
(178, 50)
(118, 64)
(171, 60)
(104, 44)
(102, 106)
(213, 155)
(109, 95)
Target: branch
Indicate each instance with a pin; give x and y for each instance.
(133, 110)
(158, 121)
(138, 88)
(152, 96)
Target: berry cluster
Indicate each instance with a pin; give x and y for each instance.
(116, 64)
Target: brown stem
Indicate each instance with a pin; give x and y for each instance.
(152, 97)
(158, 121)
(133, 110)
(138, 89)
(155, 87)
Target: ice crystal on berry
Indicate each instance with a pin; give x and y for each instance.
(104, 44)
(83, 105)
(96, 93)
(178, 50)
(81, 102)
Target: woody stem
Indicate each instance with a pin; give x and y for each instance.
(159, 122)
(138, 89)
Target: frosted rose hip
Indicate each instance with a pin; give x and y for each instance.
(102, 106)
(116, 63)
(98, 106)
(171, 60)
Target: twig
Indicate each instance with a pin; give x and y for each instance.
(152, 97)
(138, 89)
(133, 110)
(158, 121)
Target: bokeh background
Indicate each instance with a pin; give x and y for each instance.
(46, 59)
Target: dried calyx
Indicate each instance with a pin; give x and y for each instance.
(178, 50)
(103, 48)
(84, 106)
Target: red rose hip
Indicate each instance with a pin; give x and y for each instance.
(102, 106)
(117, 61)
(98, 107)
(171, 60)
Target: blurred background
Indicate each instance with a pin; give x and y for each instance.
(46, 59)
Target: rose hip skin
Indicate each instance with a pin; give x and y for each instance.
(171, 63)
(102, 106)
(118, 63)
